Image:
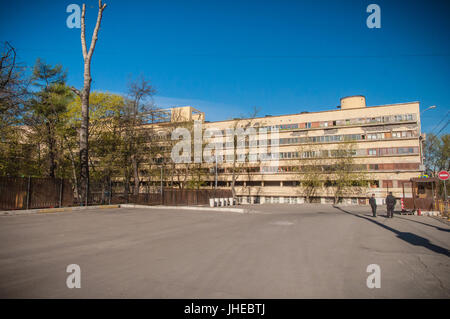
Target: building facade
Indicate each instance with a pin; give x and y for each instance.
(380, 145)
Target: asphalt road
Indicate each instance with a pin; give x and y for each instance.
(280, 251)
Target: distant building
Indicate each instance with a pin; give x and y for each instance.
(385, 147)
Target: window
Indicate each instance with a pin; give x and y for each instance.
(375, 136)
(374, 184)
(309, 154)
(398, 118)
(387, 184)
(372, 152)
(308, 125)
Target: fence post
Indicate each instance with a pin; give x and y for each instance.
(28, 192)
(86, 199)
(60, 192)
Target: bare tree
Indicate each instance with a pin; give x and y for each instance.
(239, 167)
(309, 171)
(13, 88)
(14, 94)
(137, 110)
(347, 177)
(84, 96)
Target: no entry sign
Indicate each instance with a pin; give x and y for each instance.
(443, 175)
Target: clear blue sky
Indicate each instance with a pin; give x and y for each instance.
(224, 57)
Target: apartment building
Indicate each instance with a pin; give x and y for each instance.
(383, 143)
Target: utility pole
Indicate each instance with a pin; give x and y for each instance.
(216, 173)
(161, 180)
(445, 200)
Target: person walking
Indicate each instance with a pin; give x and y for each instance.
(390, 204)
(373, 204)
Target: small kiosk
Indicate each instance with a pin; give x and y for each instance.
(423, 190)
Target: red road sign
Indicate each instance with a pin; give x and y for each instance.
(443, 175)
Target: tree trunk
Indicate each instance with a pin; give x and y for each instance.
(74, 175)
(127, 186)
(136, 175)
(84, 96)
(84, 136)
(51, 150)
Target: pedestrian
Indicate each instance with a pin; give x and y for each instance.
(390, 204)
(373, 204)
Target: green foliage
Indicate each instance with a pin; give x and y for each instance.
(436, 153)
(339, 172)
(105, 133)
(45, 75)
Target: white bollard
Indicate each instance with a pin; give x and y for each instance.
(231, 201)
(216, 201)
(221, 201)
(211, 202)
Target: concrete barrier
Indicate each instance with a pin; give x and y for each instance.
(55, 210)
(194, 208)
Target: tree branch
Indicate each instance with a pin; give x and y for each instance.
(97, 27)
(83, 32)
(76, 91)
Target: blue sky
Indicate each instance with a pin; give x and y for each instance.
(225, 57)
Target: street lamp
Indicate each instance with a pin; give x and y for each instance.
(428, 108)
(421, 137)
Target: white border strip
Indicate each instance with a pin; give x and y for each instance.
(196, 208)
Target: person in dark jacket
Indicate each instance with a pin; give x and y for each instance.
(373, 204)
(390, 204)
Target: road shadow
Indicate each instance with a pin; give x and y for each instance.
(410, 238)
(429, 225)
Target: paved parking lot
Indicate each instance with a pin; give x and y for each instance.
(276, 251)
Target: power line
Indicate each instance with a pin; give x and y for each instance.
(437, 135)
(443, 128)
(251, 56)
(437, 125)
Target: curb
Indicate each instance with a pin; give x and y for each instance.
(54, 210)
(442, 220)
(196, 208)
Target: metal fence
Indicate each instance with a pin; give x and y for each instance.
(169, 197)
(193, 196)
(31, 192)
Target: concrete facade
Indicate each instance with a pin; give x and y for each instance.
(386, 144)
